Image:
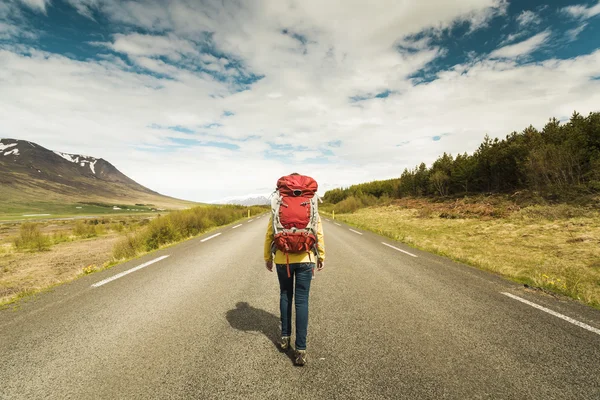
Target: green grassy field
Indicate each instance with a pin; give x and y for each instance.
(31, 198)
(42, 210)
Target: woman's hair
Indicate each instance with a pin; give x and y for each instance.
(294, 173)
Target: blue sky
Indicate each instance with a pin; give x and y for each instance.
(233, 95)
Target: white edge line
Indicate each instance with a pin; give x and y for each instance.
(357, 232)
(210, 237)
(400, 250)
(122, 274)
(561, 316)
(237, 226)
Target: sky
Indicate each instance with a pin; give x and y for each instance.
(210, 100)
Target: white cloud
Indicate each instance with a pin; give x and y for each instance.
(480, 19)
(36, 5)
(145, 50)
(136, 44)
(513, 36)
(573, 33)
(583, 12)
(12, 22)
(106, 109)
(527, 21)
(86, 7)
(522, 48)
(8, 30)
(527, 18)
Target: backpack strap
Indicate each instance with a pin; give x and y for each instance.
(276, 203)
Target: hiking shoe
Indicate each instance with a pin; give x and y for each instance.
(300, 359)
(285, 343)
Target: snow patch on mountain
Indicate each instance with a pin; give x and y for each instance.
(6, 146)
(68, 157)
(13, 152)
(83, 161)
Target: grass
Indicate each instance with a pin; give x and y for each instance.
(28, 293)
(36, 210)
(33, 260)
(88, 230)
(177, 226)
(28, 195)
(553, 247)
(31, 238)
(25, 273)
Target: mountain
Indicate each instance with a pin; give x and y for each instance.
(251, 201)
(32, 173)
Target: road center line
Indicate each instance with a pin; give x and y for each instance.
(237, 226)
(400, 250)
(337, 224)
(561, 316)
(357, 232)
(210, 237)
(122, 274)
(250, 220)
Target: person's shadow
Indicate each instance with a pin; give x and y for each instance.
(246, 318)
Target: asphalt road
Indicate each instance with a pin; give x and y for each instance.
(384, 324)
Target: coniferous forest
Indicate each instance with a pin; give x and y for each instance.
(559, 162)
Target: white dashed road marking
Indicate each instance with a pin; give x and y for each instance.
(561, 316)
(337, 224)
(400, 250)
(122, 274)
(210, 237)
(357, 232)
(250, 220)
(237, 226)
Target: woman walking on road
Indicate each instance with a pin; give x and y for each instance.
(295, 238)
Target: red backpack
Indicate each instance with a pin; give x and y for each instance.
(295, 216)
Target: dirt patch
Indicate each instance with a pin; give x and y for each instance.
(475, 207)
(26, 272)
(66, 227)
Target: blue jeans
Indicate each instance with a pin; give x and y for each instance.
(303, 272)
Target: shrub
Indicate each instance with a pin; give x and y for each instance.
(87, 230)
(353, 203)
(60, 237)
(31, 238)
(117, 227)
(176, 226)
(160, 232)
(349, 205)
(556, 212)
(129, 246)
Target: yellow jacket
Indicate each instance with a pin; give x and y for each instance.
(280, 257)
